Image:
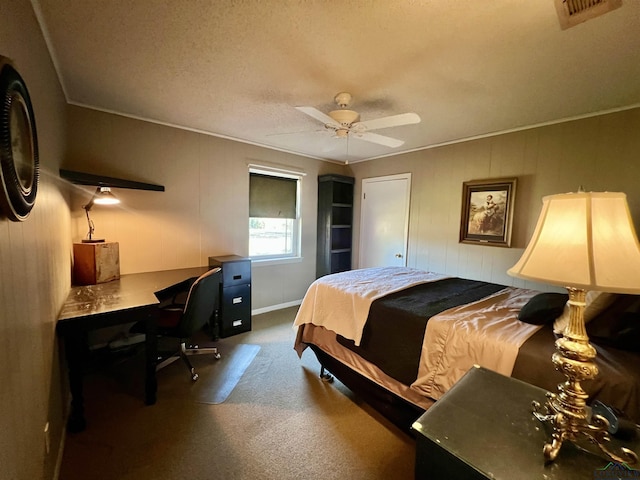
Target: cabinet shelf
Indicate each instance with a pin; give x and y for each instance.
(335, 220)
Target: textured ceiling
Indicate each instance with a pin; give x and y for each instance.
(237, 68)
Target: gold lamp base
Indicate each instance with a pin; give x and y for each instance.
(567, 410)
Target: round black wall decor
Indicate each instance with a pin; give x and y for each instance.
(19, 165)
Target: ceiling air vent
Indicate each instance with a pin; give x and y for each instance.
(573, 12)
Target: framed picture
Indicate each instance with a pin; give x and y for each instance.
(19, 164)
(487, 211)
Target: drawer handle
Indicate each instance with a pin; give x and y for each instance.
(237, 277)
(237, 323)
(236, 300)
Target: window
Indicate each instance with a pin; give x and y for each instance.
(274, 220)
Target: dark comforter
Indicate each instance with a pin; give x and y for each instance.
(617, 384)
(393, 337)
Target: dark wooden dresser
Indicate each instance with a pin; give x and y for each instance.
(235, 294)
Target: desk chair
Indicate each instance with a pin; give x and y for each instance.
(181, 319)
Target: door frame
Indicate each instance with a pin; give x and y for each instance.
(385, 178)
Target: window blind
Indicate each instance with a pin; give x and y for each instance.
(272, 197)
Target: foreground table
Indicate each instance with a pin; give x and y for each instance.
(483, 428)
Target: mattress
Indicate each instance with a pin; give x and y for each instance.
(395, 344)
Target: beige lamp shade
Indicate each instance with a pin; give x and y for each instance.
(584, 240)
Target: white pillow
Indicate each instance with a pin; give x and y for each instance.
(595, 303)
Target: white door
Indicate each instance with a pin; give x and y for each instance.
(384, 221)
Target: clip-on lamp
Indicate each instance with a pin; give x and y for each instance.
(102, 196)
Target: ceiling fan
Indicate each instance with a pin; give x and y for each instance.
(345, 122)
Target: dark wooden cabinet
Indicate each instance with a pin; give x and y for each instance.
(335, 221)
(234, 315)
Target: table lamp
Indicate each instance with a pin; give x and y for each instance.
(102, 196)
(582, 241)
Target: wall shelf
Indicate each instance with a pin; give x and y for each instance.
(81, 178)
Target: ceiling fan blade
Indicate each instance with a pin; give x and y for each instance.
(379, 139)
(298, 132)
(318, 115)
(392, 121)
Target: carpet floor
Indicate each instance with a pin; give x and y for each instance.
(267, 416)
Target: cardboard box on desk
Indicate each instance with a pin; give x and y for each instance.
(95, 262)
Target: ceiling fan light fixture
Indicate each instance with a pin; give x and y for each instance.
(345, 117)
(342, 99)
(342, 133)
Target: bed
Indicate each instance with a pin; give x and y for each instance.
(401, 337)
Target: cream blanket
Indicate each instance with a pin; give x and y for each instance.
(485, 333)
(340, 302)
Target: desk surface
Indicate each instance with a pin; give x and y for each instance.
(130, 292)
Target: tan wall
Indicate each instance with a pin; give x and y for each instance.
(599, 153)
(205, 206)
(34, 270)
(203, 211)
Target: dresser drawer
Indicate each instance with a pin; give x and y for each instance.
(236, 310)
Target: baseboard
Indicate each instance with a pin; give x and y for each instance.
(273, 308)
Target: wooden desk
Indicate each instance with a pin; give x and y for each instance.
(127, 300)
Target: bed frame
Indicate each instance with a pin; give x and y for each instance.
(394, 408)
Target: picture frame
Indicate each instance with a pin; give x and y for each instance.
(19, 163)
(487, 211)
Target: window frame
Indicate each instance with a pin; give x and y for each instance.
(296, 240)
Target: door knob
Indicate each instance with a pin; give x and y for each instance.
(398, 255)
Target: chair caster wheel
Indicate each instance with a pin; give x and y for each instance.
(194, 377)
(217, 356)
